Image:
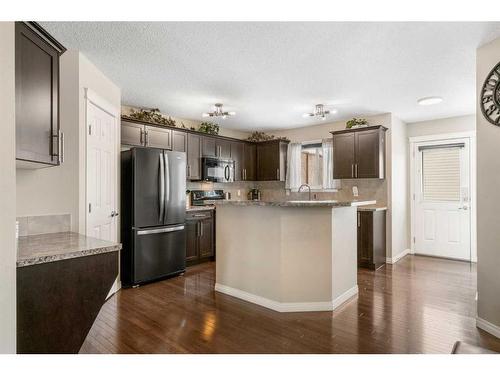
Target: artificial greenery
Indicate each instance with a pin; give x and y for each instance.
(356, 122)
(209, 128)
(152, 115)
(261, 137)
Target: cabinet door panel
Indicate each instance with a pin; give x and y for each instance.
(223, 148)
(158, 137)
(208, 146)
(237, 156)
(179, 141)
(206, 238)
(343, 155)
(132, 134)
(37, 102)
(268, 161)
(365, 239)
(367, 154)
(191, 240)
(249, 161)
(193, 157)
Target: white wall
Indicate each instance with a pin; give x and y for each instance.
(7, 192)
(398, 218)
(488, 207)
(442, 126)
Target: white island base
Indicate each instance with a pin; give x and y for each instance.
(287, 258)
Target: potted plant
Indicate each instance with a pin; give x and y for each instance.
(356, 123)
(209, 128)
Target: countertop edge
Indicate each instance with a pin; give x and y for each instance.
(303, 204)
(72, 255)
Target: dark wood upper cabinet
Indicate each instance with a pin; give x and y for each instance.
(194, 145)
(249, 170)
(359, 153)
(371, 239)
(237, 156)
(271, 160)
(132, 134)
(208, 147)
(39, 141)
(179, 141)
(158, 137)
(344, 155)
(223, 148)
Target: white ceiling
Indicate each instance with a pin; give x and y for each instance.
(270, 73)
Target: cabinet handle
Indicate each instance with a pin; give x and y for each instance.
(201, 227)
(146, 138)
(199, 215)
(244, 174)
(61, 147)
(359, 220)
(189, 171)
(278, 174)
(352, 170)
(140, 139)
(356, 169)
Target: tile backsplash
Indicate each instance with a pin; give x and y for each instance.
(42, 224)
(275, 190)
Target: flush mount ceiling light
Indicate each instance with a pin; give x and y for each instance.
(430, 100)
(218, 112)
(319, 112)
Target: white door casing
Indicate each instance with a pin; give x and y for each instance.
(101, 169)
(442, 210)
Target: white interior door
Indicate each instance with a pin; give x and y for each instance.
(442, 199)
(102, 156)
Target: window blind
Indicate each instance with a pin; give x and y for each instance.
(441, 174)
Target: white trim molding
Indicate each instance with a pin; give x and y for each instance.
(488, 327)
(288, 306)
(398, 257)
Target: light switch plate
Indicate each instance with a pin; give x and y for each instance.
(355, 191)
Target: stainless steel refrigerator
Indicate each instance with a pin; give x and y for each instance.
(153, 207)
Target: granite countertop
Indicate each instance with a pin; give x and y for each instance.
(372, 207)
(297, 203)
(200, 208)
(46, 248)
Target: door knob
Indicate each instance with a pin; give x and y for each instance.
(465, 208)
(114, 213)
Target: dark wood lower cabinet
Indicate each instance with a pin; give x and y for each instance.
(371, 239)
(200, 236)
(58, 302)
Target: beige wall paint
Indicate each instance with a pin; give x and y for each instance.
(59, 190)
(442, 126)
(226, 132)
(488, 208)
(8, 191)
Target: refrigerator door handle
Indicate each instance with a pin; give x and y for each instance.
(167, 183)
(160, 230)
(161, 181)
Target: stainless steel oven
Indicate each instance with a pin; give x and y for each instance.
(218, 170)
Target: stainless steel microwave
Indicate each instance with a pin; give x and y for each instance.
(217, 170)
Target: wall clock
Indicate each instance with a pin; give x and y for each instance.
(490, 96)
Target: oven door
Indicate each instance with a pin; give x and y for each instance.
(218, 170)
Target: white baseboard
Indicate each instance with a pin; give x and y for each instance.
(488, 327)
(287, 306)
(398, 257)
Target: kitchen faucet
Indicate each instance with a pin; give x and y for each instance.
(306, 185)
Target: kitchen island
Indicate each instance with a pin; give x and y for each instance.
(288, 256)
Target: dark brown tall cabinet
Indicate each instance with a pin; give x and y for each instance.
(371, 239)
(39, 139)
(359, 153)
(200, 236)
(271, 160)
(237, 156)
(249, 170)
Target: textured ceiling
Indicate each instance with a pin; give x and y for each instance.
(270, 73)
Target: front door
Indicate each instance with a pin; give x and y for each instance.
(102, 155)
(442, 199)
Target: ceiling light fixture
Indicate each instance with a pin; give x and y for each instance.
(319, 112)
(430, 100)
(218, 112)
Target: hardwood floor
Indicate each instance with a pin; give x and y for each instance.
(419, 305)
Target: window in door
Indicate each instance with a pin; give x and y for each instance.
(441, 174)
